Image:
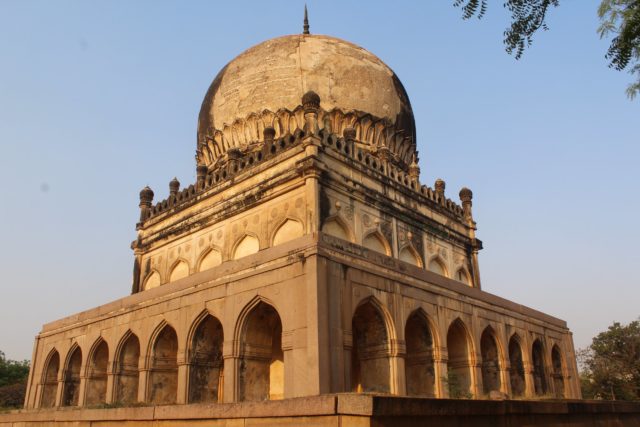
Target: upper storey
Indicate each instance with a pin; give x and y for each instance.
(261, 89)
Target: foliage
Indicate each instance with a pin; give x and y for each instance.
(618, 18)
(621, 18)
(11, 371)
(456, 388)
(13, 382)
(12, 396)
(611, 364)
(527, 17)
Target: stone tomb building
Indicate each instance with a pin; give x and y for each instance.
(306, 259)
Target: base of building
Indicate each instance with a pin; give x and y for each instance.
(343, 410)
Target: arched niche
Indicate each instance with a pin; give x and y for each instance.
(71, 387)
(516, 371)
(179, 271)
(558, 376)
(409, 255)
(289, 230)
(459, 363)
(261, 373)
(370, 355)
(205, 361)
(539, 372)
(437, 266)
(96, 388)
(490, 361)
(50, 381)
(463, 276)
(337, 228)
(152, 280)
(246, 246)
(419, 366)
(127, 370)
(210, 259)
(163, 374)
(376, 242)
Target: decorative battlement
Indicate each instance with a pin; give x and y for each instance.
(371, 142)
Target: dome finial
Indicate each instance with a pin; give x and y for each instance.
(305, 27)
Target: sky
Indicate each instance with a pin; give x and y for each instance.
(100, 98)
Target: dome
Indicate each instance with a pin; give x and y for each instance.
(273, 75)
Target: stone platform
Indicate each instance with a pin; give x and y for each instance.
(343, 410)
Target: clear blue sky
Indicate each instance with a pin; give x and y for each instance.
(98, 99)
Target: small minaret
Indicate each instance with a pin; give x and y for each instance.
(174, 187)
(146, 198)
(311, 105)
(439, 187)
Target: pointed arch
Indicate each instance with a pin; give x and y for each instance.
(96, 373)
(179, 270)
(261, 372)
(152, 280)
(336, 226)
(463, 275)
(204, 355)
(438, 266)
(516, 370)
(50, 379)
(373, 333)
(419, 361)
(287, 230)
(410, 255)
(557, 365)
(539, 371)
(459, 363)
(377, 242)
(71, 386)
(490, 367)
(127, 369)
(210, 257)
(246, 245)
(163, 365)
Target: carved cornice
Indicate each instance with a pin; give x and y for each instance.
(379, 137)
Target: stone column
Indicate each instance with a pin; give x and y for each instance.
(440, 368)
(143, 379)
(82, 387)
(110, 398)
(183, 379)
(230, 373)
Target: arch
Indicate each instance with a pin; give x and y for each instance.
(490, 361)
(247, 245)
(437, 265)
(50, 380)
(179, 270)
(163, 366)
(210, 258)
(127, 369)
(558, 376)
(152, 280)
(462, 275)
(205, 360)
(516, 370)
(419, 366)
(71, 385)
(539, 373)
(261, 372)
(459, 362)
(337, 227)
(96, 388)
(370, 355)
(290, 229)
(376, 242)
(410, 255)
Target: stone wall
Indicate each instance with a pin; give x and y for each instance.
(344, 410)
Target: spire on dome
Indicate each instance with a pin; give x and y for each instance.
(305, 27)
